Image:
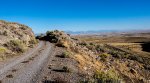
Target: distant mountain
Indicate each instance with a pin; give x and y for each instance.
(99, 32)
(91, 32)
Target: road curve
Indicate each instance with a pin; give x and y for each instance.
(27, 72)
(5, 67)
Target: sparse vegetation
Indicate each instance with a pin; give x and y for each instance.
(99, 48)
(116, 54)
(65, 54)
(16, 38)
(16, 46)
(4, 33)
(2, 50)
(2, 53)
(85, 54)
(136, 57)
(60, 38)
(83, 43)
(60, 44)
(122, 50)
(33, 41)
(94, 53)
(104, 56)
(23, 28)
(107, 77)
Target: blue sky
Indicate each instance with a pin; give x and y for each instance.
(78, 15)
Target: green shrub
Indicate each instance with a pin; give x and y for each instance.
(91, 44)
(23, 28)
(107, 77)
(59, 43)
(33, 41)
(136, 57)
(111, 76)
(5, 33)
(2, 53)
(2, 50)
(65, 54)
(104, 56)
(15, 46)
(83, 44)
(118, 54)
(100, 48)
(51, 36)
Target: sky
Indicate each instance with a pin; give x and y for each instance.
(78, 15)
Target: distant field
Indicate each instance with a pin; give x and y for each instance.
(113, 39)
(133, 42)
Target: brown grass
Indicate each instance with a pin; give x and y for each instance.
(87, 62)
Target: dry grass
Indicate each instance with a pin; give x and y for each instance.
(104, 56)
(3, 50)
(122, 51)
(2, 53)
(65, 54)
(87, 62)
(15, 46)
(110, 76)
(113, 61)
(113, 39)
(15, 38)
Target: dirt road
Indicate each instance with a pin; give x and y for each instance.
(26, 68)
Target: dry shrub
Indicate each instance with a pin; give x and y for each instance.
(65, 54)
(110, 76)
(104, 56)
(15, 46)
(2, 53)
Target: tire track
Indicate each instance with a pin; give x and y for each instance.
(32, 70)
(7, 67)
(11, 67)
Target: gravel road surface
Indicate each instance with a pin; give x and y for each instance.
(26, 68)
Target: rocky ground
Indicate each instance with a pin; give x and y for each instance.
(99, 62)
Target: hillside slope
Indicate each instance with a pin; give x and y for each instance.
(14, 38)
(95, 63)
